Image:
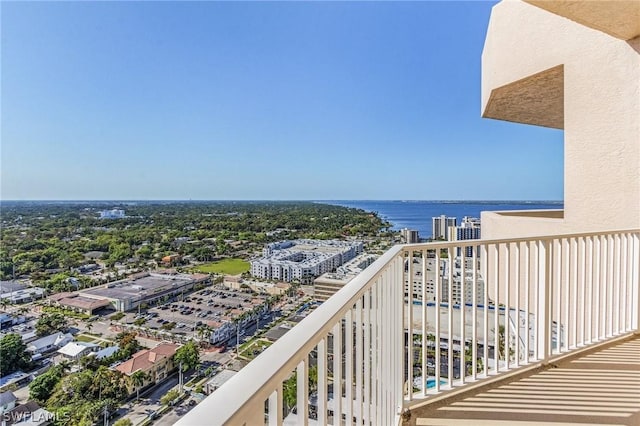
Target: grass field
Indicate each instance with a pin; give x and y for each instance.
(254, 349)
(85, 338)
(225, 266)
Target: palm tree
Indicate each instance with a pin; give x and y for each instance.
(64, 365)
(204, 332)
(138, 378)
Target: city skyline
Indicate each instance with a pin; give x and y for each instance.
(259, 101)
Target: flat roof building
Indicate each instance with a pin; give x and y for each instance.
(146, 287)
(328, 284)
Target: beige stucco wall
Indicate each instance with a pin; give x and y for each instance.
(601, 88)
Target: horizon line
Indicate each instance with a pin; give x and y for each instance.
(282, 200)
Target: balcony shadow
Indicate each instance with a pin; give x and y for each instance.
(601, 387)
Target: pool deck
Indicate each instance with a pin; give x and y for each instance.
(601, 386)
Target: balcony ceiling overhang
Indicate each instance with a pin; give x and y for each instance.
(537, 99)
(618, 18)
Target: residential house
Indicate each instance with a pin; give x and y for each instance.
(7, 401)
(48, 343)
(106, 352)
(29, 414)
(76, 350)
(156, 363)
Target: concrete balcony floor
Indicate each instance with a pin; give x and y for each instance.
(601, 386)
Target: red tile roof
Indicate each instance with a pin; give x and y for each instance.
(144, 359)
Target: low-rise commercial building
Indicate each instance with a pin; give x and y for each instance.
(218, 380)
(146, 287)
(112, 214)
(85, 305)
(237, 283)
(15, 292)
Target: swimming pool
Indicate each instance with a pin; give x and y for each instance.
(431, 382)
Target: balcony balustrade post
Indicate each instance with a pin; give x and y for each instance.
(474, 312)
(302, 390)
(322, 381)
(360, 351)
(337, 373)
(545, 277)
(399, 334)
(635, 282)
(348, 365)
(423, 298)
(275, 407)
(369, 349)
(496, 308)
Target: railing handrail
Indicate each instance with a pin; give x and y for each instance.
(298, 341)
(468, 243)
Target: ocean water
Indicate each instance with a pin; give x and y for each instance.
(418, 214)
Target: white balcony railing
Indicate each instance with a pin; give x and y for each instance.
(355, 359)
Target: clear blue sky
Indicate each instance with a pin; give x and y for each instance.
(253, 100)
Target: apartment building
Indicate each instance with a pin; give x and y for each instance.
(440, 226)
(409, 236)
(302, 260)
(156, 363)
(461, 277)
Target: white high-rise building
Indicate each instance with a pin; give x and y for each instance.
(440, 226)
(460, 292)
(410, 236)
(469, 229)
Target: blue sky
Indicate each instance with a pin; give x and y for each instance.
(258, 100)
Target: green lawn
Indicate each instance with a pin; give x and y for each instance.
(225, 266)
(85, 338)
(254, 349)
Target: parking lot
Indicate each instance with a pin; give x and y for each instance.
(210, 307)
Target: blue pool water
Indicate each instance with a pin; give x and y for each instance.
(431, 383)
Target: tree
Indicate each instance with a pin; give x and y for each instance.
(50, 323)
(187, 357)
(90, 363)
(168, 397)
(123, 422)
(204, 332)
(13, 354)
(42, 386)
(138, 378)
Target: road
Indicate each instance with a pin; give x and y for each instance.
(148, 402)
(174, 414)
